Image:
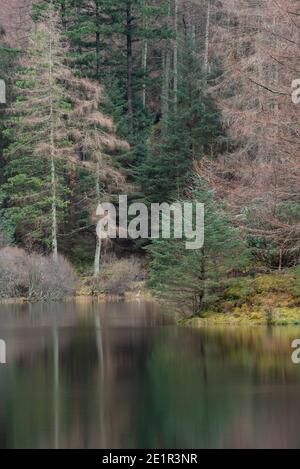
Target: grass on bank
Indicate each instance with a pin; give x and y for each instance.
(272, 298)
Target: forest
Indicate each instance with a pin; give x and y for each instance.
(165, 101)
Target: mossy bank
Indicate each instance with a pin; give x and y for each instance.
(272, 299)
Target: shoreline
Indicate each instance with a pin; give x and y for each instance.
(290, 317)
(280, 317)
(264, 300)
(129, 296)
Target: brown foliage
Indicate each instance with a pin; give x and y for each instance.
(35, 277)
(117, 276)
(15, 18)
(256, 44)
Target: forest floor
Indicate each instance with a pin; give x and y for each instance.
(264, 299)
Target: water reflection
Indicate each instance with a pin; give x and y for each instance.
(123, 375)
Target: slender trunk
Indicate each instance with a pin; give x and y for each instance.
(129, 68)
(98, 240)
(53, 208)
(166, 64)
(97, 43)
(280, 260)
(175, 53)
(202, 278)
(165, 90)
(145, 57)
(206, 47)
(276, 81)
(52, 145)
(97, 257)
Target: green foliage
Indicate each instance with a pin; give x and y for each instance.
(28, 200)
(128, 47)
(181, 138)
(8, 56)
(100, 32)
(27, 188)
(193, 278)
(272, 298)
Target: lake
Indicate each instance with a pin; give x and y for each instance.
(124, 375)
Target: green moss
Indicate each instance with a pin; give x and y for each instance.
(265, 299)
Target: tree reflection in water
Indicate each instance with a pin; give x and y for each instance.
(115, 375)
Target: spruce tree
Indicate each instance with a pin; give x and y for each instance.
(189, 132)
(8, 59)
(114, 42)
(193, 279)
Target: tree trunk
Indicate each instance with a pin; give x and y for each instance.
(53, 208)
(97, 257)
(52, 145)
(165, 90)
(129, 67)
(206, 47)
(166, 65)
(145, 57)
(280, 260)
(97, 43)
(175, 55)
(98, 240)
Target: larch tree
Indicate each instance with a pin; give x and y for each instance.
(96, 141)
(259, 175)
(55, 125)
(193, 130)
(38, 129)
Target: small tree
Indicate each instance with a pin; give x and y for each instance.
(192, 278)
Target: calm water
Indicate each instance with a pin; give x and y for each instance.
(125, 376)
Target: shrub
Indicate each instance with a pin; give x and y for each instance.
(49, 280)
(36, 277)
(13, 277)
(116, 276)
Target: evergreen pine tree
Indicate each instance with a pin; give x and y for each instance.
(116, 42)
(8, 56)
(192, 279)
(187, 134)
